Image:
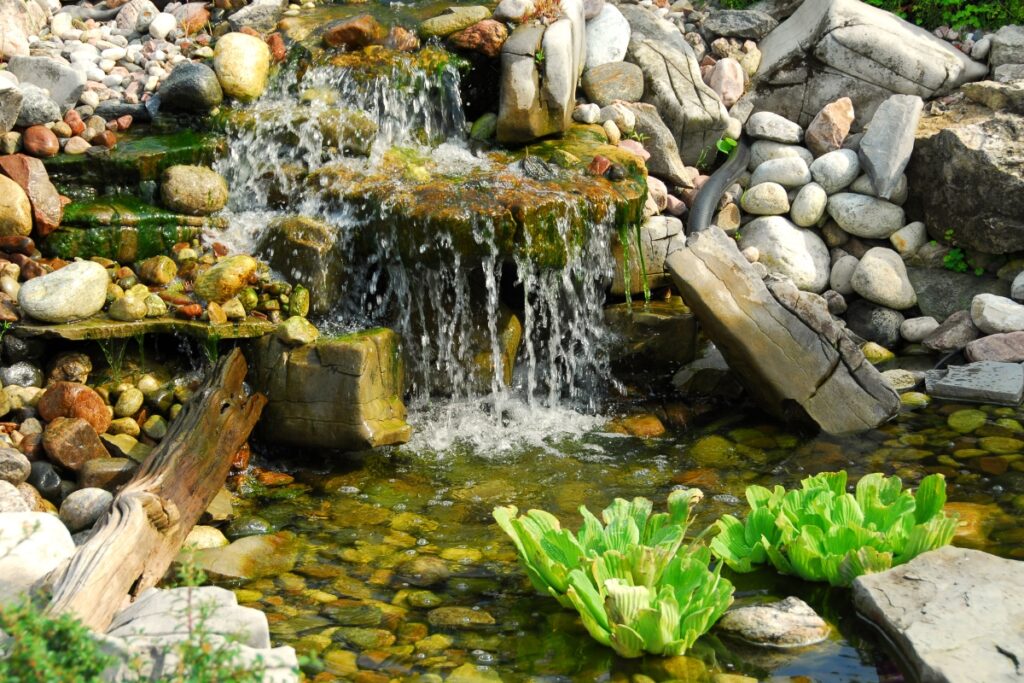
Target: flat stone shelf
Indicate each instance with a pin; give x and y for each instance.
(99, 328)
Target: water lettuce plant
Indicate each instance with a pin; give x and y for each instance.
(820, 532)
(638, 587)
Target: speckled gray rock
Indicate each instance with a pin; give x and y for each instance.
(64, 84)
(82, 508)
(881, 277)
(836, 170)
(766, 125)
(948, 612)
(22, 374)
(14, 466)
(865, 216)
(733, 23)
(794, 252)
(808, 207)
(789, 172)
(765, 199)
(900, 380)
(1007, 46)
(941, 292)
(784, 624)
(874, 323)
(36, 107)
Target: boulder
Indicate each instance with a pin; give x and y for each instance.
(783, 624)
(78, 290)
(15, 209)
(840, 278)
(537, 99)
(887, 143)
(10, 106)
(31, 176)
(834, 48)
(865, 216)
(655, 237)
(1007, 46)
(830, 126)
(1004, 348)
(995, 314)
(144, 634)
(728, 80)
(790, 172)
(226, 278)
(875, 323)
(458, 18)
(941, 292)
(916, 330)
(36, 107)
(766, 150)
(485, 37)
(242, 63)
(613, 81)
(954, 155)
(808, 207)
(793, 358)
(261, 15)
(835, 171)
(354, 33)
(340, 393)
(193, 190)
(673, 83)
(955, 332)
(15, 28)
(40, 141)
(136, 16)
(665, 162)
(764, 125)
(71, 442)
(607, 37)
(14, 466)
(947, 612)
(191, 87)
(63, 83)
(31, 545)
(784, 248)
(881, 278)
(731, 23)
(765, 199)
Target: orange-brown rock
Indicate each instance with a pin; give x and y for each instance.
(278, 51)
(485, 37)
(30, 174)
(192, 17)
(74, 120)
(71, 442)
(402, 40)
(355, 33)
(70, 399)
(40, 141)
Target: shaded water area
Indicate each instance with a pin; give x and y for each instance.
(352, 597)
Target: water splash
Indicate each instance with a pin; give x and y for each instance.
(452, 309)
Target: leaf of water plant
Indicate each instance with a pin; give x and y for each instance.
(822, 533)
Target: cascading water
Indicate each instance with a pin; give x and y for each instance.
(450, 303)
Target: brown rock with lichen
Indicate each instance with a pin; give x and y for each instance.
(485, 37)
(73, 400)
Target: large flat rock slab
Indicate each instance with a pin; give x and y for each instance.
(101, 327)
(956, 614)
(986, 381)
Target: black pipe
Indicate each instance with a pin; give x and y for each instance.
(703, 209)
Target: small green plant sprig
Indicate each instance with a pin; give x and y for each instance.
(956, 259)
(820, 532)
(637, 587)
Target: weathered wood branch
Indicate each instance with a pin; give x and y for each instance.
(150, 517)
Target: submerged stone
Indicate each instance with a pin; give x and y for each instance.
(784, 624)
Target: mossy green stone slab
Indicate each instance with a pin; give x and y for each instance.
(101, 327)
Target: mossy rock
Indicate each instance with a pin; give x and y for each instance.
(138, 156)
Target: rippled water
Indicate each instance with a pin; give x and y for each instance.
(360, 520)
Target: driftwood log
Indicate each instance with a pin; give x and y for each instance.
(152, 514)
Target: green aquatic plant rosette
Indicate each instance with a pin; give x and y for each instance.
(637, 587)
(820, 532)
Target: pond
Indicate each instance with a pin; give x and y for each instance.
(363, 598)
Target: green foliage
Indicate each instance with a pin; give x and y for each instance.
(43, 648)
(955, 260)
(538, 56)
(822, 533)
(62, 650)
(637, 587)
(726, 145)
(934, 13)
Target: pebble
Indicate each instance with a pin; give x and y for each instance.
(82, 508)
(808, 208)
(790, 172)
(836, 170)
(765, 125)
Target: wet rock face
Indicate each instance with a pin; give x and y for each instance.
(784, 624)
